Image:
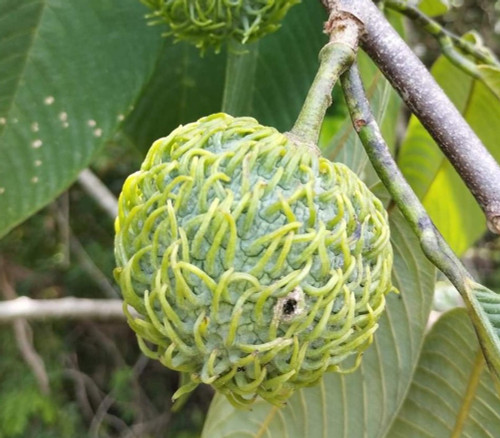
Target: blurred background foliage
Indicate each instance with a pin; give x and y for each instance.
(99, 383)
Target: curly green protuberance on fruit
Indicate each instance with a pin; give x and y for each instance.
(255, 265)
(211, 23)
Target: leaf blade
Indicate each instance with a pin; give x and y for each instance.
(444, 195)
(451, 366)
(84, 65)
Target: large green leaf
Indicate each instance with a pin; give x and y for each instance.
(185, 87)
(287, 63)
(452, 394)
(366, 402)
(69, 73)
(450, 205)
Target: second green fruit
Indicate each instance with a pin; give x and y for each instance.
(210, 23)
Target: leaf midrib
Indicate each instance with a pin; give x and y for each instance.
(265, 423)
(470, 392)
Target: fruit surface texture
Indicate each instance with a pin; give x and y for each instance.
(211, 23)
(251, 263)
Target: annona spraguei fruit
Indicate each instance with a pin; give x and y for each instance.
(210, 23)
(254, 264)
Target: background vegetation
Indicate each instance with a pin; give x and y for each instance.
(90, 84)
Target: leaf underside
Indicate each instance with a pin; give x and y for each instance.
(452, 394)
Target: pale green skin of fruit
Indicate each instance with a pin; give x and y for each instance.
(254, 264)
(211, 23)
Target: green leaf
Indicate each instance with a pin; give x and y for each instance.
(434, 7)
(186, 87)
(452, 394)
(22, 405)
(287, 64)
(365, 402)
(183, 88)
(446, 198)
(240, 78)
(70, 72)
(491, 77)
(485, 313)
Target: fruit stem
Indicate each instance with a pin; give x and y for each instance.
(335, 57)
(433, 244)
(240, 76)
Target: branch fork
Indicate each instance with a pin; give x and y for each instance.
(424, 97)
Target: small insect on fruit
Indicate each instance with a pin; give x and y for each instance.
(254, 264)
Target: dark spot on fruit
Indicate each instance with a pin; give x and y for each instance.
(289, 306)
(240, 369)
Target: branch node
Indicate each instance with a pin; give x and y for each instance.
(344, 27)
(494, 224)
(425, 98)
(335, 57)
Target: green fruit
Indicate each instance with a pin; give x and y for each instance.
(210, 23)
(254, 264)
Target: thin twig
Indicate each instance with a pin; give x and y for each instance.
(448, 41)
(92, 269)
(152, 426)
(107, 344)
(97, 190)
(429, 103)
(118, 424)
(81, 392)
(90, 391)
(99, 416)
(24, 307)
(61, 207)
(87, 264)
(106, 404)
(145, 407)
(24, 338)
